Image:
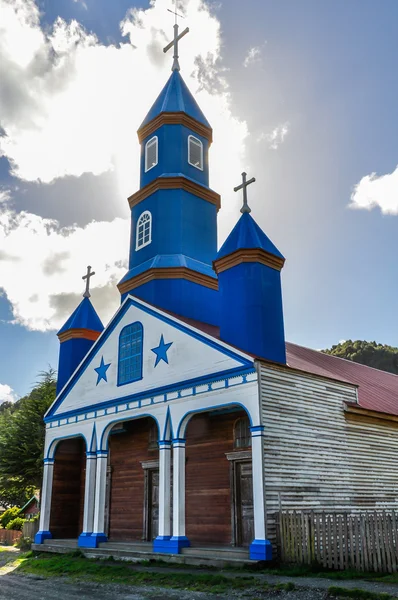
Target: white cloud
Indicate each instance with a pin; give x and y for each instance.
(7, 394)
(71, 105)
(276, 137)
(5, 195)
(41, 266)
(377, 190)
(82, 4)
(254, 55)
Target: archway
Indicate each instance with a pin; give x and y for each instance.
(67, 503)
(133, 481)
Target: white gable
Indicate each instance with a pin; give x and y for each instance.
(190, 356)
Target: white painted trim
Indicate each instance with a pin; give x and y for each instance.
(198, 141)
(45, 505)
(100, 493)
(155, 137)
(139, 224)
(164, 490)
(178, 489)
(89, 494)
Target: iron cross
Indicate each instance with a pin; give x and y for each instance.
(174, 43)
(243, 186)
(87, 277)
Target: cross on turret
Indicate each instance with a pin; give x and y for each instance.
(174, 43)
(243, 186)
(87, 277)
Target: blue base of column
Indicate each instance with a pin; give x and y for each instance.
(41, 536)
(170, 545)
(91, 540)
(260, 550)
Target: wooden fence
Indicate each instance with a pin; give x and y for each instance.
(365, 541)
(9, 536)
(30, 528)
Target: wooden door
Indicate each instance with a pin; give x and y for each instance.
(153, 508)
(244, 504)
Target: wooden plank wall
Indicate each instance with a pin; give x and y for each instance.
(67, 504)
(208, 491)
(316, 455)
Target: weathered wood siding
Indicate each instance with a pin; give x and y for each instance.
(67, 504)
(316, 455)
(208, 490)
(127, 451)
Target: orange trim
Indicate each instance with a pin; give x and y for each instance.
(175, 118)
(168, 273)
(86, 334)
(172, 183)
(248, 255)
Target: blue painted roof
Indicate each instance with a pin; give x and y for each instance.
(247, 234)
(84, 317)
(175, 97)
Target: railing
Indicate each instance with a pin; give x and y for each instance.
(365, 541)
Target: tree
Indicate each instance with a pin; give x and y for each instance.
(372, 354)
(22, 434)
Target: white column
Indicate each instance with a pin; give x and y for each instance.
(164, 488)
(45, 502)
(100, 496)
(179, 493)
(260, 548)
(89, 492)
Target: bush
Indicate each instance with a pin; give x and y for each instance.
(24, 543)
(9, 515)
(16, 524)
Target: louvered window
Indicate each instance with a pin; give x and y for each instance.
(151, 153)
(195, 152)
(143, 235)
(242, 436)
(130, 354)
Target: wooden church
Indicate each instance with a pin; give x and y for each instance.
(188, 421)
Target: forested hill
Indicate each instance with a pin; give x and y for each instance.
(371, 354)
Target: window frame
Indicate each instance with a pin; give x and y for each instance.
(154, 140)
(195, 139)
(238, 424)
(149, 241)
(141, 353)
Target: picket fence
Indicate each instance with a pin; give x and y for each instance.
(365, 541)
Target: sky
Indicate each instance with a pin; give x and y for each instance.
(301, 95)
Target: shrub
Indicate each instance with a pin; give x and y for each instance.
(24, 543)
(9, 515)
(16, 524)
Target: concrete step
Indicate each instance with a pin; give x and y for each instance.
(222, 553)
(68, 543)
(127, 546)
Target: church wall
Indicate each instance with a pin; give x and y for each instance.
(127, 451)
(208, 491)
(67, 504)
(317, 456)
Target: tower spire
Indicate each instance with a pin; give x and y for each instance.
(174, 43)
(243, 186)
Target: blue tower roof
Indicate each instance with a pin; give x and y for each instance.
(175, 97)
(247, 234)
(84, 317)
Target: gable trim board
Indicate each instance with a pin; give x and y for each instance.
(244, 361)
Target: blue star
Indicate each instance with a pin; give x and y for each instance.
(101, 370)
(161, 351)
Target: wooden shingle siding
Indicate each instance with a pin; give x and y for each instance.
(317, 456)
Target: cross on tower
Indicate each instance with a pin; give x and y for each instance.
(174, 43)
(243, 186)
(87, 278)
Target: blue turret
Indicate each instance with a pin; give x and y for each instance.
(76, 338)
(248, 266)
(174, 213)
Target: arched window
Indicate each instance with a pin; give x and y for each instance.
(151, 153)
(153, 437)
(130, 354)
(242, 435)
(143, 235)
(195, 152)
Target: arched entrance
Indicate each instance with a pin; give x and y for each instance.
(132, 508)
(67, 504)
(219, 487)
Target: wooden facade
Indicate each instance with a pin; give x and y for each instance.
(66, 519)
(319, 456)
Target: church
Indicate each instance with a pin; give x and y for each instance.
(188, 421)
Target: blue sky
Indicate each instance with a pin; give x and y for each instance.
(302, 95)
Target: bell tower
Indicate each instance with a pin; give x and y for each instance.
(174, 213)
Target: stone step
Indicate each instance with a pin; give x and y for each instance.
(223, 553)
(128, 546)
(68, 543)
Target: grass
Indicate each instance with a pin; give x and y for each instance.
(341, 592)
